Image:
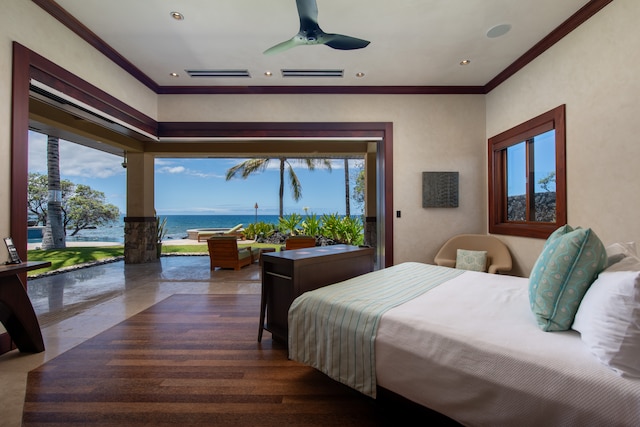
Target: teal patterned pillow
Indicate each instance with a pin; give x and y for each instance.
(471, 260)
(570, 261)
(561, 231)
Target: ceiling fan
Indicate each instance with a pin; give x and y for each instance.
(310, 32)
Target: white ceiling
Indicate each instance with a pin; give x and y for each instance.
(413, 42)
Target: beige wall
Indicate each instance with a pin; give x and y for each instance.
(594, 71)
(431, 133)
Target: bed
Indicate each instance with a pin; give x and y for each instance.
(462, 343)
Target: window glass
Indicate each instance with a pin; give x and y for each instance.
(544, 176)
(527, 183)
(516, 182)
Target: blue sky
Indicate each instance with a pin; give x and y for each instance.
(198, 186)
(544, 160)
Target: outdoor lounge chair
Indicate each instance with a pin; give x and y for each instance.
(498, 257)
(224, 253)
(236, 231)
(298, 242)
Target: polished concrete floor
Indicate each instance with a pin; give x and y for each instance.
(75, 306)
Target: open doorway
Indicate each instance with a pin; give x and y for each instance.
(127, 129)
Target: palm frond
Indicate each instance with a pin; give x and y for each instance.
(294, 184)
(247, 168)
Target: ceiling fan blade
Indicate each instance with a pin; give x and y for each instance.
(342, 42)
(307, 11)
(281, 47)
(311, 34)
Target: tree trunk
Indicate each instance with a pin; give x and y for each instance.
(53, 236)
(282, 187)
(347, 194)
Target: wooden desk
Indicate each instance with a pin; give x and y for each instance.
(287, 274)
(16, 311)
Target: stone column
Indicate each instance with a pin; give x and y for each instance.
(140, 243)
(140, 234)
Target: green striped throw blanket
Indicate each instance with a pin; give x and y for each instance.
(333, 329)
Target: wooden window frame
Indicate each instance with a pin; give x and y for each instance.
(497, 145)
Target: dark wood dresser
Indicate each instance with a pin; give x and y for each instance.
(287, 274)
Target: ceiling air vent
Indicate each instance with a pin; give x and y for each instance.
(312, 73)
(218, 73)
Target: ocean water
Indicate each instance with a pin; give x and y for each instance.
(177, 226)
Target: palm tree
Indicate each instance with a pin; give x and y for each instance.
(53, 236)
(346, 188)
(248, 167)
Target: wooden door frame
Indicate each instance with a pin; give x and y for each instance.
(28, 64)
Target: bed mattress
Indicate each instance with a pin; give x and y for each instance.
(470, 349)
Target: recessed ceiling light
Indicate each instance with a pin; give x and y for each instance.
(174, 75)
(465, 62)
(360, 74)
(268, 73)
(177, 16)
(498, 30)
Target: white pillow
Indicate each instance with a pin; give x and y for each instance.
(608, 318)
(618, 251)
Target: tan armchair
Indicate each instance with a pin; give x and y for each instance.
(498, 255)
(224, 253)
(298, 242)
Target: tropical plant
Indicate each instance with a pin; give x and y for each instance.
(311, 225)
(351, 231)
(290, 224)
(251, 166)
(347, 230)
(161, 229)
(259, 229)
(331, 225)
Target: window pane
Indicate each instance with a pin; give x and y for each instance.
(516, 182)
(544, 157)
(527, 188)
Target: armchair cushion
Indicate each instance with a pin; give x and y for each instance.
(497, 253)
(471, 260)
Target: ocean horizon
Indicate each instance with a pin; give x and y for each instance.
(177, 226)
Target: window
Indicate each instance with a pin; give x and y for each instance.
(527, 180)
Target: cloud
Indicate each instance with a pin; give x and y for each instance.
(173, 167)
(172, 170)
(75, 160)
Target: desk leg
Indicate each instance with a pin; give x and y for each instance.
(18, 316)
(263, 309)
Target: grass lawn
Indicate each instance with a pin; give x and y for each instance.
(69, 257)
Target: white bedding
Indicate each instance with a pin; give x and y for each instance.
(470, 349)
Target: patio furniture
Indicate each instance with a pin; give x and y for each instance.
(237, 232)
(224, 253)
(298, 242)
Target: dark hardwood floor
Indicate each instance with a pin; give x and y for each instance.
(195, 360)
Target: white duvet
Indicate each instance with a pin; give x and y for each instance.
(470, 349)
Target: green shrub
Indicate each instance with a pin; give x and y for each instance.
(331, 226)
(347, 230)
(289, 224)
(260, 228)
(312, 225)
(351, 231)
